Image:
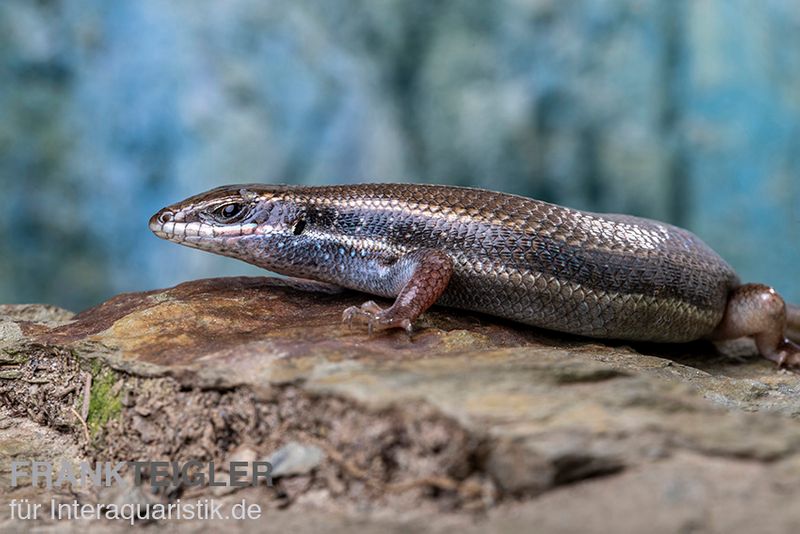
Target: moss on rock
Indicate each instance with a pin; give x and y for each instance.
(105, 402)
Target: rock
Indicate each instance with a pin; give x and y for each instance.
(468, 413)
(35, 313)
(23, 440)
(295, 459)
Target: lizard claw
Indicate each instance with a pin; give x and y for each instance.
(788, 356)
(367, 312)
(375, 317)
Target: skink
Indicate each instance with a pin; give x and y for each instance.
(597, 275)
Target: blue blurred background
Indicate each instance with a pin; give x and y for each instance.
(686, 111)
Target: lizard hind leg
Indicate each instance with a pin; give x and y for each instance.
(757, 311)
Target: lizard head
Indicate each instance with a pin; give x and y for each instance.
(251, 222)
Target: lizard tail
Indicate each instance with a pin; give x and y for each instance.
(793, 322)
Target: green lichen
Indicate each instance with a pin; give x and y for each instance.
(12, 356)
(10, 374)
(105, 401)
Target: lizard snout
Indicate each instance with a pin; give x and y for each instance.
(161, 218)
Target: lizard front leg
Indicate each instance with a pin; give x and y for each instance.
(422, 275)
(757, 311)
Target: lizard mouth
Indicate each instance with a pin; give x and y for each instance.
(164, 225)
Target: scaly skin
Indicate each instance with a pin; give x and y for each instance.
(598, 275)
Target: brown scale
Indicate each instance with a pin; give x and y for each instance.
(599, 275)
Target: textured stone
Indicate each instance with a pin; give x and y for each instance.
(295, 458)
(468, 412)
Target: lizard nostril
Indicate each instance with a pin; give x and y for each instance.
(165, 217)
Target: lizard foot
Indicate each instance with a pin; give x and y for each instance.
(375, 317)
(757, 311)
(787, 356)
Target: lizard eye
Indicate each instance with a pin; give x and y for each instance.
(229, 213)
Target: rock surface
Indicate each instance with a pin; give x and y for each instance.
(471, 423)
